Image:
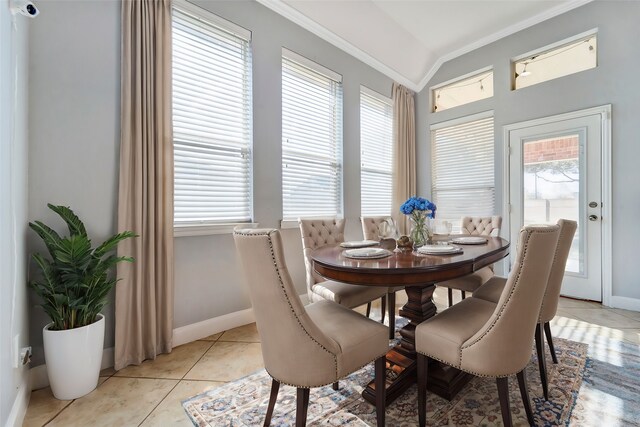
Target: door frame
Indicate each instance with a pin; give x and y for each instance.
(605, 127)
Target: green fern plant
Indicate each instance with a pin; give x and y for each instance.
(75, 282)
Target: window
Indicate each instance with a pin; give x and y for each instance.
(311, 139)
(463, 90)
(567, 57)
(376, 148)
(211, 119)
(463, 168)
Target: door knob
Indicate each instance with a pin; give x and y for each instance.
(593, 217)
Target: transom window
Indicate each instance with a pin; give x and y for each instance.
(311, 139)
(463, 90)
(212, 129)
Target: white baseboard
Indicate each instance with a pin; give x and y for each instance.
(38, 374)
(20, 404)
(625, 303)
(196, 331)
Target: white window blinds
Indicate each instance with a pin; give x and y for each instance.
(376, 143)
(211, 120)
(463, 181)
(311, 139)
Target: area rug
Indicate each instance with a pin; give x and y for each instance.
(244, 402)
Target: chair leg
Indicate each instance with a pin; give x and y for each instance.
(423, 364)
(301, 407)
(450, 294)
(336, 385)
(464, 294)
(275, 386)
(524, 392)
(541, 360)
(547, 332)
(392, 314)
(383, 308)
(368, 310)
(381, 390)
(503, 394)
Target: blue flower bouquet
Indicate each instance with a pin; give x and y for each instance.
(420, 209)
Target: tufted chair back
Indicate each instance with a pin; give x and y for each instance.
(481, 226)
(371, 226)
(508, 334)
(291, 341)
(316, 233)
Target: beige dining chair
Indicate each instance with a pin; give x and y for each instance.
(329, 231)
(310, 346)
(372, 230)
(492, 290)
(474, 226)
(493, 340)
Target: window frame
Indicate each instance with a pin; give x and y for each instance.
(452, 82)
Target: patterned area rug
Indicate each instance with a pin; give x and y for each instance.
(244, 402)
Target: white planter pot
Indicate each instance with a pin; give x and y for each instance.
(73, 358)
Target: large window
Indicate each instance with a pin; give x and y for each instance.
(211, 119)
(463, 182)
(376, 148)
(311, 139)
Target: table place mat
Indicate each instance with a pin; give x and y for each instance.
(470, 240)
(439, 249)
(367, 253)
(359, 244)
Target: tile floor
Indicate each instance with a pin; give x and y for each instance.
(150, 394)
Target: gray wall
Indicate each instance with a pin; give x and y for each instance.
(13, 208)
(614, 82)
(74, 65)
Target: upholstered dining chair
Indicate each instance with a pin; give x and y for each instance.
(488, 339)
(302, 346)
(492, 290)
(372, 230)
(327, 231)
(474, 226)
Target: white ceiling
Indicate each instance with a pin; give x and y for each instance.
(408, 40)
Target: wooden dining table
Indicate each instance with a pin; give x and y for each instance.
(418, 274)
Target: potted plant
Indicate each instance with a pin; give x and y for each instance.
(74, 286)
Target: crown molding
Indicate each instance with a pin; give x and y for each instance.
(310, 25)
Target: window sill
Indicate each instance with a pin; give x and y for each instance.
(209, 229)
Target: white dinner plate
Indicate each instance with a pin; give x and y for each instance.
(469, 240)
(359, 244)
(439, 249)
(367, 253)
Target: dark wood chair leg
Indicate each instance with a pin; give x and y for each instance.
(392, 314)
(275, 386)
(464, 294)
(541, 361)
(383, 308)
(381, 393)
(450, 294)
(368, 309)
(336, 385)
(503, 394)
(524, 392)
(301, 407)
(423, 363)
(547, 332)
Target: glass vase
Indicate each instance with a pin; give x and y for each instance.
(421, 233)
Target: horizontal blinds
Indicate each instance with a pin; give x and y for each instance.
(211, 122)
(311, 142)
(376, 142)
(463, 170)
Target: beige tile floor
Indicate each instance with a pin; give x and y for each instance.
(150, 394)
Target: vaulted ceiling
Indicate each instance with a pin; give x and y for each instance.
(408, 40)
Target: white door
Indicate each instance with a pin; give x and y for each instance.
(555, 172)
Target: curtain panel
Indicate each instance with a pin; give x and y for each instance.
(404, 153)
(144, 296)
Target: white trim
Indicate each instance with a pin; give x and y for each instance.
(624, 303)
(462, 120)
(203, 329)
(553, 46)
(38, 374)
(605, 113)
(312, 65)
(211, 18)
(372, 93)
(209, 229)
(21, 402)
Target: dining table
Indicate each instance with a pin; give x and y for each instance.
(419, 274)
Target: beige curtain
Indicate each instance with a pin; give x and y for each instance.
(144, 296)
(404, 152)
